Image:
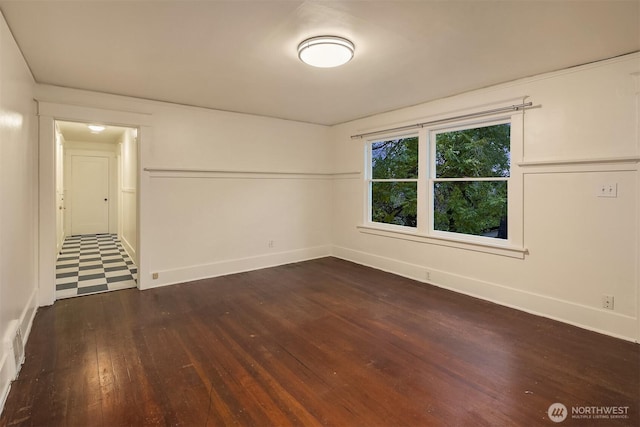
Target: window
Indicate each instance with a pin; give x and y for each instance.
(394, 181)
(444, 183)
(470, 172)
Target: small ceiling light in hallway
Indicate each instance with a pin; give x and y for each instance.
(96, 128)
(326, 51)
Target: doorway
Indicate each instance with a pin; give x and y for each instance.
(96, 170)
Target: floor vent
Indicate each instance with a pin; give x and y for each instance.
(14, 346)
(18, 349)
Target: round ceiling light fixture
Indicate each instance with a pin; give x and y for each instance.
(326, 51)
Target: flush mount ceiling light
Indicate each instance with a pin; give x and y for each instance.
(96, 128)
(326, 51)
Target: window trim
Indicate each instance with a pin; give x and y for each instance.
(432, 134)
(513, 246)
(400, 232)
(369, 180)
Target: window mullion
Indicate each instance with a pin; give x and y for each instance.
(423, 186)
(431, 147)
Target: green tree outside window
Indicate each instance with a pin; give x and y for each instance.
(394, 186)
(472, 206)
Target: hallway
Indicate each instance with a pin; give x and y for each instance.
(93, 263)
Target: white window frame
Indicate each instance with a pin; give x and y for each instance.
(432, 180)
(369, 180)
(424, 232)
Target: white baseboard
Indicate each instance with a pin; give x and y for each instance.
(129, 249)
(6, 376)
(223, 268)
(593, 319)
(59, 247)
(27, 316)
(8, 369)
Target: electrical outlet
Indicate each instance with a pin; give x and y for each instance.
(154, 276)
(609, 189)
(607, 302)
(272, 244)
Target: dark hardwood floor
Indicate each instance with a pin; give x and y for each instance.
(324, 342)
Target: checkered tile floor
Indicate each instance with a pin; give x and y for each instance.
(93, 263)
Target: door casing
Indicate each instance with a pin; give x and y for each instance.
(48, 113)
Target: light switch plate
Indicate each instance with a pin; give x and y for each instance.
(608, 189)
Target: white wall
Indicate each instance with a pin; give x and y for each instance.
(580, 246)
(216, 188)
(18, 192)
(127, 227)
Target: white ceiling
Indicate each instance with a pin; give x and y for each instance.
(241, 55)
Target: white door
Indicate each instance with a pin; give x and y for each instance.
(89, 195)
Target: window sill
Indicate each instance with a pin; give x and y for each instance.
(502, 249)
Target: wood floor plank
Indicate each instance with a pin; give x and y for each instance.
(323, 342)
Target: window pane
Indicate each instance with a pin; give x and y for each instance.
(478, 152)
(394, 203)
(478, 208)
(395, 159)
